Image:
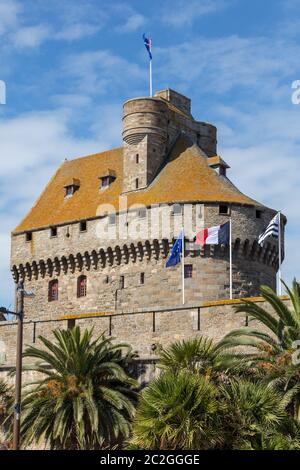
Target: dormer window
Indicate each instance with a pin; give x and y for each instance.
(222, 170)
(69, 191)
(218, 164)
(72, 187)
(107, 179)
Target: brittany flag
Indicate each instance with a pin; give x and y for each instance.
(218, 235)
(148, 45)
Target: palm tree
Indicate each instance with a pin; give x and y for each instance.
(202, 356)
(275, 346)
(254, 417)
(6, 410)
(83, 398)
(177, 411)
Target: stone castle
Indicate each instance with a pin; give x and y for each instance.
(93, 248)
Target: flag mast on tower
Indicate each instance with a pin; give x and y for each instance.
(148, 45)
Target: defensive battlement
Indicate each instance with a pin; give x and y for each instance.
(177, 99)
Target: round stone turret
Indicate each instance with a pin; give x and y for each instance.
(145, 135)
(144, 116)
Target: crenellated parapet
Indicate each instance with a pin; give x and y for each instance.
(138, 252)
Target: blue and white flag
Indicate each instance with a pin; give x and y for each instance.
(272, 229)
(148, 45)
(174, 257)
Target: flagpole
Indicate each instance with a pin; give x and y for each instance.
(182, 268)
(279, 290)
(150, 71)
(230, 257)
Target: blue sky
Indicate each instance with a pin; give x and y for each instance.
(69, 65)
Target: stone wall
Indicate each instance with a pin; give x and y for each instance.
(104, 261)
(142, 330)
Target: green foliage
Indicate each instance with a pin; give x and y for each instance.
(83, 399)
(202, 356)
(211, 397)
(274, 349)
(177, 411)
(6, 410)
(254, 416)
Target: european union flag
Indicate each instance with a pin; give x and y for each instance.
(174, 257)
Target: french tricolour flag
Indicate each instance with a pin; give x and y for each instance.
(218, 235)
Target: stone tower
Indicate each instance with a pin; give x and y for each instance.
(168, 164)
(150, 129)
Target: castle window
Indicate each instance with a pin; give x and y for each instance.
(107, 179)
(71, 324)
(122, 282)
(222, 170)
(224, 209)
(112, 219)
(154, 150)
(177, 209)
(188, 271)
(137, 158)
(83, 226)
(53, 291)
(137, 183)
(69, 191)
(53, 232)
(258, 214)
(142, 279)
(28, 236)
(142, 213)
(72, 187)
(105, 182)
(81, 286)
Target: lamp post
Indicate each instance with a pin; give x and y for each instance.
(20, 294)
(18, 390)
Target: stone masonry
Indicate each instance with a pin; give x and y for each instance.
(80, 230)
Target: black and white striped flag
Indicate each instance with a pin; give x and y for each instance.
(272, 229)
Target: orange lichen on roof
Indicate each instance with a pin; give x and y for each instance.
(73, 182)
(186, 177)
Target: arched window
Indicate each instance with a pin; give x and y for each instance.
(53, 291)
(81, 286)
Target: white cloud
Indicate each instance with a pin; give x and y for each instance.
(9, 14)
(180, 13)
(31, 36)
(134, 22)
(221, 64)
(97, 72)
(76, 31)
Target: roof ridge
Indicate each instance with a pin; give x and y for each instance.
(96, 154)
